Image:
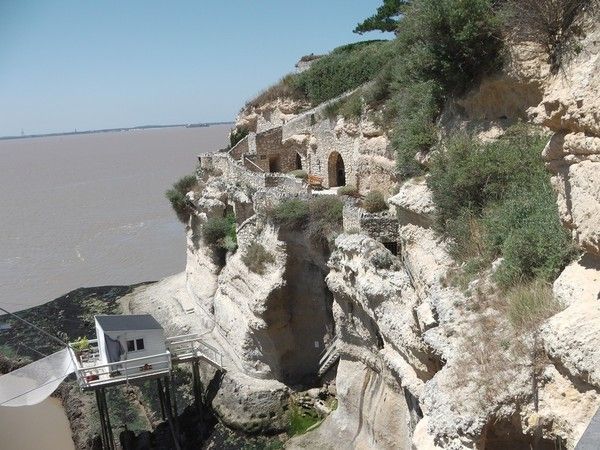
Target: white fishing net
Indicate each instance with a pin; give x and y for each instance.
(34, 382)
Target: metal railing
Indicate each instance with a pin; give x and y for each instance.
(189, 346)
(90, 374)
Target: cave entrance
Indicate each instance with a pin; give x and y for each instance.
(274, 164)
(337, 172)
(508, 433)
(392, 247)
(298, 161)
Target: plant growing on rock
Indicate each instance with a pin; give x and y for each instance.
(530, 304)
(220, 232)
(177, 196)
(291, 213)
(236, 135)
(495, 200)
(302, 174)
(348, 190)
(257, 258)
(374, 202)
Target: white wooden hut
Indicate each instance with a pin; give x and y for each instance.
(130, 337)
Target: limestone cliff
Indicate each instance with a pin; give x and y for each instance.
(417, 362)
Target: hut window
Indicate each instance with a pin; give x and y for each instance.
(139, 344)
(134, 345)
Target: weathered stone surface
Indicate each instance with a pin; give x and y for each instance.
(414, 203)
(251, 405)
(570, 109)
(367, 405)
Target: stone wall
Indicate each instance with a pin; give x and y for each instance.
(273, 156)
(382, 227)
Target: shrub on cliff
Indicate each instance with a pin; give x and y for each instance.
(220, 232)
(374, 202)
(495, 200)
(443, 48)
(321, 216)
(348, 190)
(292, 214)
(299, 173)
(177, 196)
(257, 257)
(530, 304)
(343, 69)
(236, 135)
(325, 218)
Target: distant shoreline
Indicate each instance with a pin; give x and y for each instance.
(108, 130)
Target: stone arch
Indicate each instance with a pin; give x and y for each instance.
(336, 170)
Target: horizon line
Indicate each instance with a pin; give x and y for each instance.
(108, 130)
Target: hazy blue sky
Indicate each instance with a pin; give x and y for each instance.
(86, 64)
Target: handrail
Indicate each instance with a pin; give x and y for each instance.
(244, 159)
(120, 363)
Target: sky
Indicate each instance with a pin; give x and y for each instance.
(93, 64)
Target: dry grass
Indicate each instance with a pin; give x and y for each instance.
(257, 258)
(531, 304)
(285, 88)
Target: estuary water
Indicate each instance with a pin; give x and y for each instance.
(89, 210)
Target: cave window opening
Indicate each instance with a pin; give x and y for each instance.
(392, 247)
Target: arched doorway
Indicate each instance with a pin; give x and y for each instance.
(336, 171)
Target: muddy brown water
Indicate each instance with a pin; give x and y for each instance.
(87, 210)
(42, 426)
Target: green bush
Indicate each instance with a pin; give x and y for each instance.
(220, 232)
(321, 216)
(257, 257)
(495, 200)
(325, 218)
(351, 107)
(177, 196)
(531, 304)
(374, 202)
(292, 214)
(302, 174)
(236, 135)
(415, 129)
(344, 69)
(443, 48)
(348, 190)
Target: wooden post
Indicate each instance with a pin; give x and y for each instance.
(170, 415)
(103, 435)
(111, 441)
(197, 386)
(161, 398)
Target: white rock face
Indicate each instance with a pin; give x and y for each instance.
(366, 405)
(570, 109)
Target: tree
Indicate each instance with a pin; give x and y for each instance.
(386, 18)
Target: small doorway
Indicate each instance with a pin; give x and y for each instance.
(337, 172)
(274, 165)
(298, 161)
